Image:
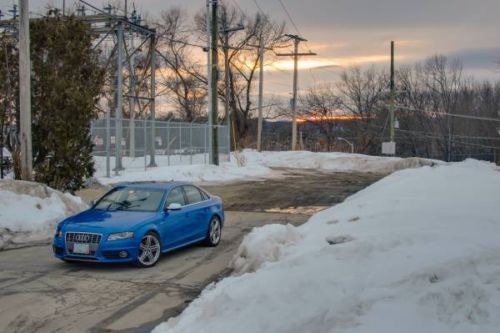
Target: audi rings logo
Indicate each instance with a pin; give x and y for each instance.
(82, 238)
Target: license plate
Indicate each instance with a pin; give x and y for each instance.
(81, 248)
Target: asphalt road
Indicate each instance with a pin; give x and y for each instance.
(39, 293)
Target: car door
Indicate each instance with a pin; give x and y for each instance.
(174, 225)
(198, 211)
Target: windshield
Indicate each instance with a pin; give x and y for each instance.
(145, 200)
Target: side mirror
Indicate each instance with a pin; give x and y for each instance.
(92, 203)
(174, 206)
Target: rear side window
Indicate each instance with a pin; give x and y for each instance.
(193, 194)
(176, 196)
(204, 195)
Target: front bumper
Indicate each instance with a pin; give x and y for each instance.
(106, 251)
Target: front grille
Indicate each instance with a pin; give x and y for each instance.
(84, 238)
(81, 258)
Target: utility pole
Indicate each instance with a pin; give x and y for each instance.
(13, 11)
(214, 157)
(296, 40)
(392, 95)
(118, 100)
(209, 83)
(131, 100)
(152, 103)
(226, 30)
(261, 93)
(389, 148)
(25, 92)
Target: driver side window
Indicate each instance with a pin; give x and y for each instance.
(176, 195)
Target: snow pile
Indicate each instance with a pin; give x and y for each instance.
(135, 171)
(29, 212)
(263, 246)
(340, 162)
(256, 165)
(418, 251)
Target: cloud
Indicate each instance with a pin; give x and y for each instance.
(478, 58)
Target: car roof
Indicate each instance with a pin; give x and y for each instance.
(154, 185)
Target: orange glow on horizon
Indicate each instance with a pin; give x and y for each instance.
(329, 118)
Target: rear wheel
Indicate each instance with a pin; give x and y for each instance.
(149, 250)
(214, 232)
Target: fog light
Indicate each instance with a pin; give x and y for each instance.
(123, 254)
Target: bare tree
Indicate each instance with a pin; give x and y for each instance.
(320, 107)
(363, 93)
(244, 60)
(181, 74)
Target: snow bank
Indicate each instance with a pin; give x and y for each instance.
(29, 212)
(418, 251)
(135, 171)
(256, 165)
(266, 245)
(340, 162)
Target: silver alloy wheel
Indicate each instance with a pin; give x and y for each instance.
(149, 250)
(215, 231)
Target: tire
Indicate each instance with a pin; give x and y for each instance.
(214, 233)
(149, 250)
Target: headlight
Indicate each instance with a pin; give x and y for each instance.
(58, 230)
(121, 235)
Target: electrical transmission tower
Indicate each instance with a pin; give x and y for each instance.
(105, 25)
(109, 30)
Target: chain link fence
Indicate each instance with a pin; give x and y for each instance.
(175, 143)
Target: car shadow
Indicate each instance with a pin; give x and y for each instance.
(75, 265)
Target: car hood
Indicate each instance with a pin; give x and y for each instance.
(120, 219)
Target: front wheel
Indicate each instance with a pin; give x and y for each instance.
(214, 232)
(149, 250)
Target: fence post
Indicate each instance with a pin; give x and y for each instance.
(168, 142)
(205, 144)
(180, 142)
(108, 143)
(144, 123)
(228, 138)
(191, 143)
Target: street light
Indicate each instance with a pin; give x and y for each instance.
(348, 142)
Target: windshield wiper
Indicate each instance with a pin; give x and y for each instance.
(117, 203)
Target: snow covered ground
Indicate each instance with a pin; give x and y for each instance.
(418, 251)
(255, 165)
(179, 169)
(340, 162)
(29, 212)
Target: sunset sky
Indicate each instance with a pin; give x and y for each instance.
(345, 32)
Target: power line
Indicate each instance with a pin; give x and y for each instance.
(440, 138)
(292, 21)
(449, 114)
(238, 6)
(259, 8)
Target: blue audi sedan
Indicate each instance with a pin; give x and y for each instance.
(136, 223)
